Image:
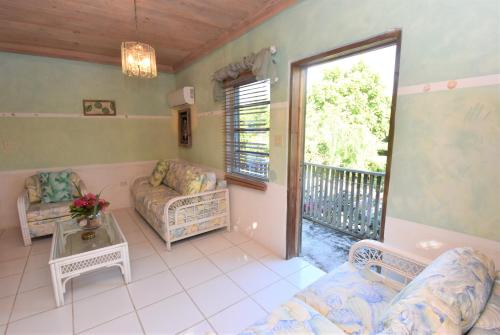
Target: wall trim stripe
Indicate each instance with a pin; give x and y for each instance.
(481, 81)
(73, 116)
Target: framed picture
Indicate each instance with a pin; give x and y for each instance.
(99, 108)
(185, 127)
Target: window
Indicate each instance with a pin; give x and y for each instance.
(247, 130)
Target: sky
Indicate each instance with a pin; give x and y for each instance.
(380, 60)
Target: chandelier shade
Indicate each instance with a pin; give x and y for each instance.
(138, 60)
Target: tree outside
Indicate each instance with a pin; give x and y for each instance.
(347, 119)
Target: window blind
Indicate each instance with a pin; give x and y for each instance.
(247, 118)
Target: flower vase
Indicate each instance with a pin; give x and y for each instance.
(92, 222)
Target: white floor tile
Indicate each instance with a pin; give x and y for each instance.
(181, 253)
(35, 279)
(37, 261)
(97, 282)
(235, 237)
(254, 249)
(211, 243)
(284, 267)
(170, 316)
(34, 301)
(5, 308)
(155, 288)
(215, 295)
(141, 250)
(275, 295)
(230, 259)
(41, 245)
(124, 325)
(8, 253)
(56, 321)
(202, 328)
(12, 267)
(101, 308)
(9, 285)
(147, 266)
(196, 272)
(238, 317)
(305, 276)
(253, 277)
(135, 237)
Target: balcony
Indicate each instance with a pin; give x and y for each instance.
(340, 207)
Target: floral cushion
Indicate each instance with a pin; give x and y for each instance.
(447, 297)
(294, 317)
(41, 211)
(45, 227)
(34, 189)
(56, 186)
(159, 172)
(184, 178)
(353, 299)
(489, 321)
(209, 182)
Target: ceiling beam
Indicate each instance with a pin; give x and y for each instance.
(69, 54)
(246, 25)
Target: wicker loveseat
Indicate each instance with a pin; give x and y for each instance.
(37, 218)
(382, 290)
(189, 201)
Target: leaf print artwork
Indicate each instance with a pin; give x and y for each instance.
(99, 107)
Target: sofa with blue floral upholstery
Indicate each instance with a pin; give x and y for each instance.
(179, 200)
(45, 201)
(382, 290)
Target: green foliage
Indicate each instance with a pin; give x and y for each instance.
(347, 119)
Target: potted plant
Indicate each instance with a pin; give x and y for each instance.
(88, 207)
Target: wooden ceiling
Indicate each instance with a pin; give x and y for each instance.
(181, 31)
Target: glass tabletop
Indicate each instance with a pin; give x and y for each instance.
(69, 242)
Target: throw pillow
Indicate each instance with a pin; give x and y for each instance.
(34, 189)
(159, 172)
(56, 186)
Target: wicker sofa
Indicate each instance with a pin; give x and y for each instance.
(382, 290)
(37, 218)
(189, 201)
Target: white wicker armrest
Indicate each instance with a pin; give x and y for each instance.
(395, 266)
(23, 204)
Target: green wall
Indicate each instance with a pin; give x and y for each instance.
(444, 165)
(31, 84)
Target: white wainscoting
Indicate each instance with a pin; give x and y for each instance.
(115, 178)
(430, 242)
(261, 215)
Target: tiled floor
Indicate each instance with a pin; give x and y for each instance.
(325, 247)
(219, 282)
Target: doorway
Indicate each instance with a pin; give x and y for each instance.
(341, 130)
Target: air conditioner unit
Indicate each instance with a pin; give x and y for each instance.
(181, 97)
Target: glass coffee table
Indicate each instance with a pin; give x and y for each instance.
(72, 256)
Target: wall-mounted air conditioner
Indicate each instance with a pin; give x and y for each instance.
(181, 97)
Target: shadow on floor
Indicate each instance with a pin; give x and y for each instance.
(325, 247)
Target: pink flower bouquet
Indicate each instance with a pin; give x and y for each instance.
(87, 205)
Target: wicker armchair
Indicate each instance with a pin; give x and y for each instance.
(38, 219)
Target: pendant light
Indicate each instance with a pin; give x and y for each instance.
(138, 59)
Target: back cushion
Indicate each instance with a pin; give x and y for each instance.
(184, 178)
(34, 189)
(209, 181)
(447, 297)
(56, 186)
(489, 322)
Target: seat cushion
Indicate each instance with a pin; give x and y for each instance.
(41, 211)
(56, 186)
(45, 227)
(293, 317)
(353, 299)
(489, 321)
(447, 297)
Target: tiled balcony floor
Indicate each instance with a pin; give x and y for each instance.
(325, 247)
(219, 282)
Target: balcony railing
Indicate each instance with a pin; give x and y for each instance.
(344, 199)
